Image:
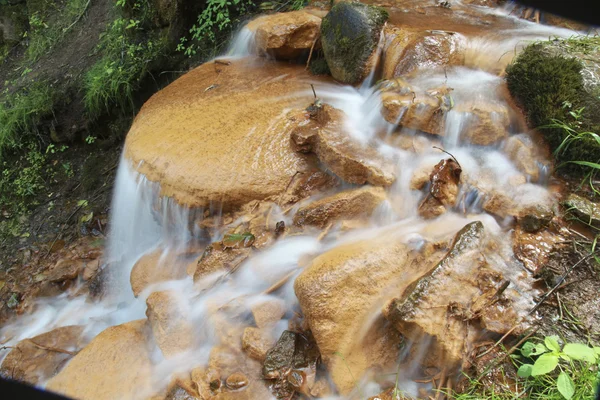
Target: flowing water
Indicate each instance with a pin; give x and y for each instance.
(143, 222)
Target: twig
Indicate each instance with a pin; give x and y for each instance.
(325, 232)
(78, 18)
(499, 341)
(222, 62)
(313, 89)
(450, 154)
(508, 353)
(560, 281)
(291, 179)
(54, 349)
(279, 283)
(311, 52)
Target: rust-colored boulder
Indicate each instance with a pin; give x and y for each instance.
(168, 318)
(407, 51)
(321, 131)
(349, 204)
(285, 35)
(340, 294)
(115, 364)
(216, 258)
(39, 358)
(155, 267)
(446, 302)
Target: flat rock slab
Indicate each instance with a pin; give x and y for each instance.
(217, 134)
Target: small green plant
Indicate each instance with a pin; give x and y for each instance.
(127, 52)
(44, 34)
(90, 139)
(22, 111)
(573, 361)
(214, 26)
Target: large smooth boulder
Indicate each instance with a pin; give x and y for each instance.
(39, 358)
(285, 35)
(217, 135)
(114, 365)
(341, 294)
(349, 204)
(350, 35)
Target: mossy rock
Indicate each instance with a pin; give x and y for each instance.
(349, 34)
(13, 23)
(550, 80)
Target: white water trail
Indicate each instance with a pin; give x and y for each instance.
(143, 222)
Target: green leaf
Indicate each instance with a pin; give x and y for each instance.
(552, 343)
(597, 351)
(527, 349)
(524, 370)
(544, 364)
(565, 385)
(586, 164)
(539, 349)
(579, 351)
(238, 240)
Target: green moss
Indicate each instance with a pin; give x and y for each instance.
(319, 67)
(546, 80)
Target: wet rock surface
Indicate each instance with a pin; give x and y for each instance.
(171, 329)
(243, 156)
(116, 363)
(428, 307)
(350, 35)
(291, 364)
(351, 204)
(217, 257)
(155, 267)
(286, 35)
(339, 294)
(39, 358)
(322, 132)
(443, 192)
(407, 51)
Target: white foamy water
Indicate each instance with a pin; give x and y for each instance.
(143, 222)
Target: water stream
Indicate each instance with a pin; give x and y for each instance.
(143, 222)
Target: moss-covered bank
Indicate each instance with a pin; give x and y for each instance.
(557, 83)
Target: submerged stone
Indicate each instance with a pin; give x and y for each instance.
(168, 318)
(350, 35)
